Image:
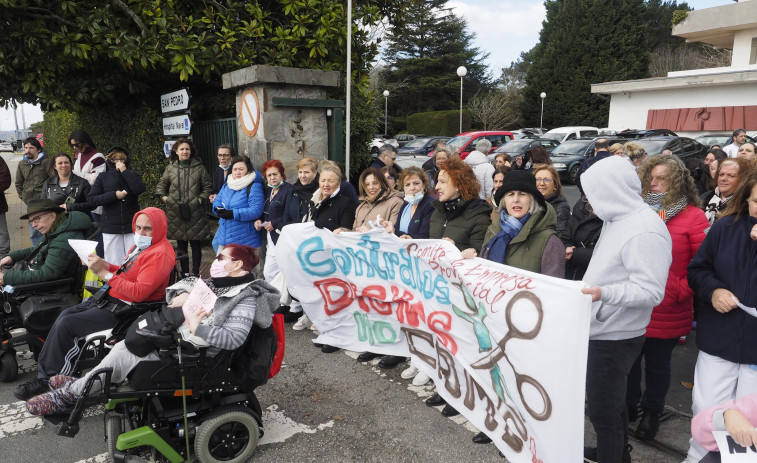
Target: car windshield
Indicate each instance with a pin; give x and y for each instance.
(571, 147)
(652, 147)
(458, 142)
(712, 139)
(514, 146)
(417, 143)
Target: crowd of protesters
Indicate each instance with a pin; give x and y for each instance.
(652, 238)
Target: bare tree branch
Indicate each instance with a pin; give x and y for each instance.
(137, 20)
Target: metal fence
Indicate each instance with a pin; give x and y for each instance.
(207, 135)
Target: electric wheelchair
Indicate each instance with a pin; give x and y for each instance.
(187, 406)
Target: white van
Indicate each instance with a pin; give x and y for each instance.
(568, 133)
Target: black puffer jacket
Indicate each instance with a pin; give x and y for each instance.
(77, 190)
(334, 212)
(563, 215)
(117, 213)
(584, 228)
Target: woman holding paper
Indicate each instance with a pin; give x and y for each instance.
(378, 201)
(277, 194)
(722, 274)
(241, 302)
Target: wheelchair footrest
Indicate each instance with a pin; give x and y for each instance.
(59, 422)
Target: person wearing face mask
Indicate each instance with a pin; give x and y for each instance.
(239, 204)
(413, 222)
(277, 194)
(142, 277)
(242, 302)
(117, 190)
(225, 153)
(378, 201)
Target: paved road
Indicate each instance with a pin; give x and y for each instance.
(323, 407)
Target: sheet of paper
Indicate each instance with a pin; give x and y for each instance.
(200, 298)
(750, 310)
(83, 248)
(731, 452)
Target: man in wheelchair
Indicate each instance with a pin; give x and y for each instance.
(143, 277)
(52, 258)
(241, 303)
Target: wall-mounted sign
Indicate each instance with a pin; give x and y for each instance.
(174, 101)
(167, 145)
(249, 112)
(177, 125)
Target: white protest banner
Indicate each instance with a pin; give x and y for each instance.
(505, 347)
(731, 452)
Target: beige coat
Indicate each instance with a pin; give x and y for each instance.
(387, 205)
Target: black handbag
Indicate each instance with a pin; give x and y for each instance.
(38, 313)
(153, 330)
(185, 213)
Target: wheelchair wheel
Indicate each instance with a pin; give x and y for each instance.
(229, 437)
(113, 429)
(8, 367)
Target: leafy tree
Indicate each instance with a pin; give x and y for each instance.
(584, 42)
(425, 49)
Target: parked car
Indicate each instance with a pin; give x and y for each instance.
(420, 146)
(528, 132)
(568, 156)
(722, 140)
(381, 140)
(517, 148)
(405, 138)
(562, 134)
(634, 134)
(5, 146)
(466, 142)
(683, 147)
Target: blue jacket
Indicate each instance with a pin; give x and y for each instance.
(419, 222)
(273, 210)
(247, 209)
(727, 259)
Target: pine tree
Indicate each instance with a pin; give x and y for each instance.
(423, 55)
(584, 42)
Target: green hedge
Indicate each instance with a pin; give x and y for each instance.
(445, 123)
(136, 128)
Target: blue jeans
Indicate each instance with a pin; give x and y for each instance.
(656, 353)
(606, 377)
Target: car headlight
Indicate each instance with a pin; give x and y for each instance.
(559, 165)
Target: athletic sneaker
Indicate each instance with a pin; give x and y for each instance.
(302, 323)
(31, 388)
(590, 454)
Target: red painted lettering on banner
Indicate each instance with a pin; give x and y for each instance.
(440, 323)
(333, 306)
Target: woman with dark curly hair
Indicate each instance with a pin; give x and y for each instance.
(459, 217)
(669, 190)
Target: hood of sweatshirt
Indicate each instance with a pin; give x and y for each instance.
(475, 158)
(613, 188)
(157, 219)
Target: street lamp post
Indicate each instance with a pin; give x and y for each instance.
(386, 108)
(461, 71)
(541, 118)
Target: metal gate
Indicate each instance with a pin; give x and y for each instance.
(207, 135)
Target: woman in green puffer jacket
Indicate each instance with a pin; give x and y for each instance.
(185, 188)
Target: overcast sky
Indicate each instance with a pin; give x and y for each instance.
(503, 28)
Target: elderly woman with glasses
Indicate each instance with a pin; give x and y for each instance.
(242, 302)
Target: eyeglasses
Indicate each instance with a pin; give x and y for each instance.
(225, 257)
(75, 145)
(544, 180)
(35, 220)
(390, 177)
(118, 159)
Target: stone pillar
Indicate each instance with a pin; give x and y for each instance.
(286, 133)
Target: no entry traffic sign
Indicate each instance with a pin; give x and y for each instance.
(249, 112)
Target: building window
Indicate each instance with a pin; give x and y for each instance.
(753, 54)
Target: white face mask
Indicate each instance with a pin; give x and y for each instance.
(141, 241)
(414, 199)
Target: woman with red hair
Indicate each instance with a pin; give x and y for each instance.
(277, 194)
(239, 204)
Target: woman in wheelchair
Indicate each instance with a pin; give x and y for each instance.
(241, 303)
(52, 258)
